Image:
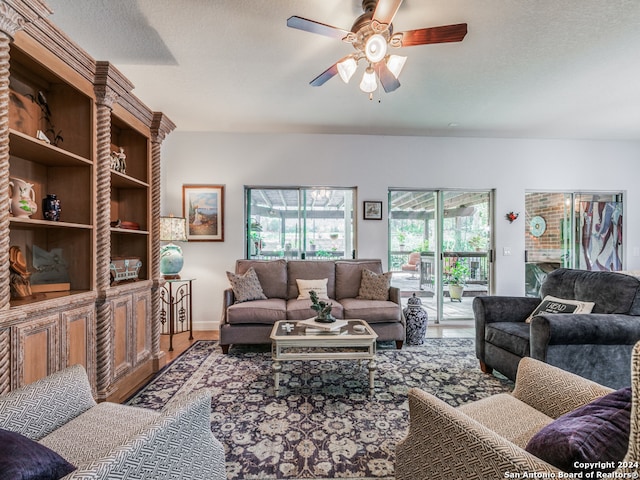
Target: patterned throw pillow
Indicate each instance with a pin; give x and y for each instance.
(374, 286)
(551, 304)
(246, 287)
(319, 286)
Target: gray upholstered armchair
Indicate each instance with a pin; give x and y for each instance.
(596, 346)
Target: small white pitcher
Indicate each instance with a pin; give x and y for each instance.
(23, 198)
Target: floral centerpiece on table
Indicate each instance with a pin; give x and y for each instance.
(322, 308)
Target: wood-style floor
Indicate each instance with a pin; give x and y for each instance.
(452, 329)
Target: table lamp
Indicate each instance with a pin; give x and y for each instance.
(172, 229)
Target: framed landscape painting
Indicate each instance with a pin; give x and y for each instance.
(203, 207)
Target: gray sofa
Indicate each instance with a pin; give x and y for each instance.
(251, 322)
(593, 345)
(113, 441)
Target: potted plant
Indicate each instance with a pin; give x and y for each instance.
(457, 277)
(401, 238)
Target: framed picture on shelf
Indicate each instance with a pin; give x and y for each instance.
(372, 210)
(203, 207)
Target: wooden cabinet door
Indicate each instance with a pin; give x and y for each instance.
(37, 349)
(142, 313)
(78, 339)
(123, 331)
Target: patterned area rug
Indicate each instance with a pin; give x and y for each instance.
(324, 423)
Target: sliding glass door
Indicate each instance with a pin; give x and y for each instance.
(439, 248)
(571, 230)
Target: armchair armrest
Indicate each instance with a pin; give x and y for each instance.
(179, 441)
(63, 395)
(551, 390)
(444, 443)
(582, 328)
(499, 309)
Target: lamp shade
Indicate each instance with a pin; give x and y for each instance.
(368, 83)
(347, 68)
(395, 64)
(173, 229)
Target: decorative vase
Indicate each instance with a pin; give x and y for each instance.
(51, 207)
(23, 198)
(417, 320)
(171, 261)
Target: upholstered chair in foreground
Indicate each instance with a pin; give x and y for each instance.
(486, 439)
(105, 440)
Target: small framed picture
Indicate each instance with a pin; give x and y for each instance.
(372, 210)
(203, 207)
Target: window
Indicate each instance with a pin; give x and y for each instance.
(300, 222)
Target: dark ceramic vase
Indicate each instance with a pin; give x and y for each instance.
(51, 207)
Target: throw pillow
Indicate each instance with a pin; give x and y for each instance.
(246, 287)
(319, 286)
(374, 286)
(596, 432)
(551, 304)
(21, 457)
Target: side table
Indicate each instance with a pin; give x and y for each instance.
(176, 308)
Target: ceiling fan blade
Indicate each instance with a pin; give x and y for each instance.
(387, 79)
(316, 27)
(386, 10)
(328, 74)
(424, 36)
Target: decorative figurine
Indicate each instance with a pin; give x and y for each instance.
(119, 161)
(323, 309)
(20, 285)
(51, 207)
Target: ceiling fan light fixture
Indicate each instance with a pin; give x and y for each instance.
(369, 82)
(376, 48)
(395, 63)
(347, 68)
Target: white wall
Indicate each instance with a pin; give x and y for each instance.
(375, 163)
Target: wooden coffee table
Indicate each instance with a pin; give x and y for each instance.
(302, 343)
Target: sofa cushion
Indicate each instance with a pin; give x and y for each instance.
(507, 416)
(596, 432)
(310, 270)
(510, 336)
(372, 311)
(305, 286)
(301, 309)
(349, 276)
(271, 273)
(610, 291)
(374, 286)
(551, 304)
(258, 311)
(246, 287)
(23, 458)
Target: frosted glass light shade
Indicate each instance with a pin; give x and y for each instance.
(173, 229)
(395, 64)
(347, 68)
(368, 83)
(376, 48)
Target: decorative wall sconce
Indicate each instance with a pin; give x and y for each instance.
(512, 216)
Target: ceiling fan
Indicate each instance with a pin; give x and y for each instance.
(371, 35)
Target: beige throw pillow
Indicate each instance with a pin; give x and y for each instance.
(319, 286)
(246, 287)
(551, 304)
(374, 286)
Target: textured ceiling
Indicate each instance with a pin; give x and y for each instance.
(527, 68)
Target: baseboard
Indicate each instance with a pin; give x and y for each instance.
(206, 326)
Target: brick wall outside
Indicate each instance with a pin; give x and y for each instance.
(551, 207)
